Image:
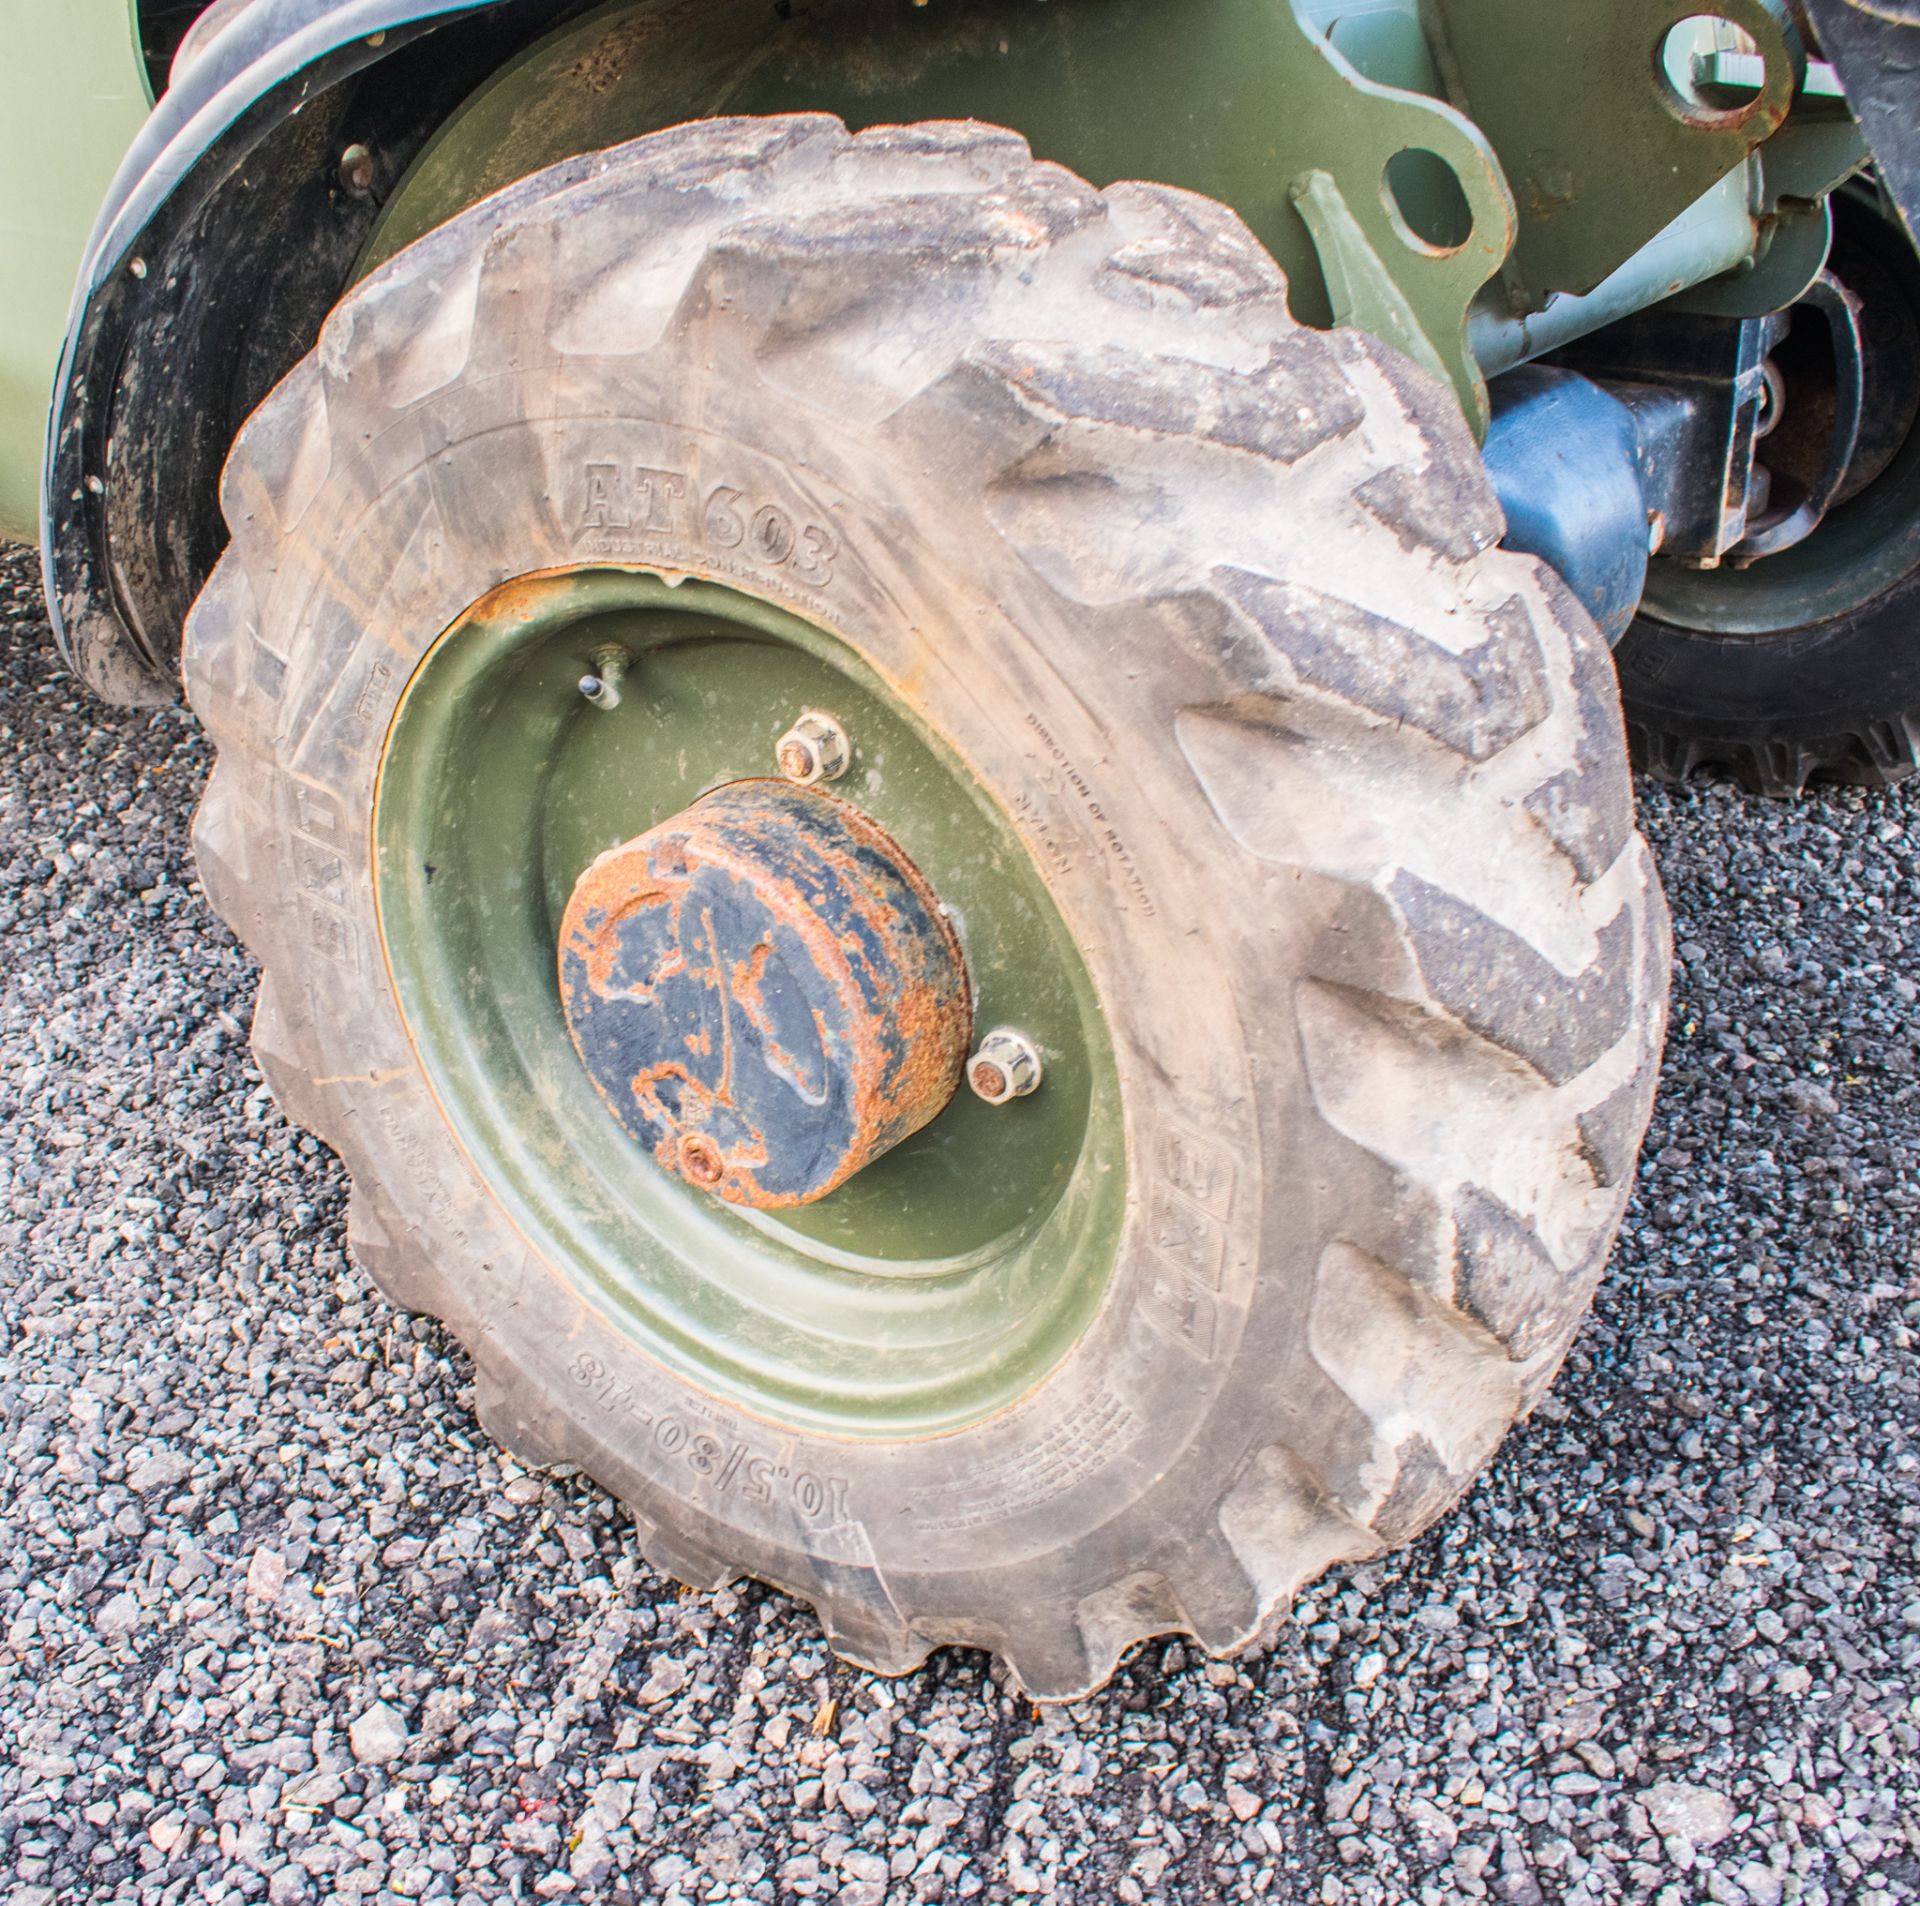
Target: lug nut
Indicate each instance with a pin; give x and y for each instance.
(813, 750)
(1006, 1067)
(602, 686)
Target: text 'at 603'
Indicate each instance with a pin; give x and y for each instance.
(621, 496)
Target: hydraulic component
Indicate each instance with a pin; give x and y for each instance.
(1565, 458)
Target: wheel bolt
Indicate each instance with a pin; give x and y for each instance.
(814, 749)
(1006, 1067)
(700, 1161)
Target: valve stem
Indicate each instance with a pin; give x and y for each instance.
(602, 686)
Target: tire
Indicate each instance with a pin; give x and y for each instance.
(1835, 700)
(1331, 791)
(1806, 666)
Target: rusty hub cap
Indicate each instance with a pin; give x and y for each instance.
(766, 992)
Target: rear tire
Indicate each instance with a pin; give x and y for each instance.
(1330, 791)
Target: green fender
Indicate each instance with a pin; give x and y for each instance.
(69, 110)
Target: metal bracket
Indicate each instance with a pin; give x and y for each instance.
(1697, 386)
(1395, 265)
(1603, 145)
(1780, 528)
(1360, 288)
(1815, 152)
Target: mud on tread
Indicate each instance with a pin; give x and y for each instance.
(1268, 524)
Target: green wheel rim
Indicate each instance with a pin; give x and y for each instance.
(941, 1283)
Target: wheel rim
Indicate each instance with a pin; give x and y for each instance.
(940, 1283)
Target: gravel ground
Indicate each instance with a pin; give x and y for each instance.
(279, 1623)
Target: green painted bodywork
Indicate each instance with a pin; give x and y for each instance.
(73, 93)
(1603, 144)
(1288, 110)
(941, 1282)
(1240, 99)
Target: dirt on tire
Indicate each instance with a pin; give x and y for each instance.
(1332, 791)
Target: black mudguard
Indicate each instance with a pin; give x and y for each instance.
(1875, 48)
(224, 238)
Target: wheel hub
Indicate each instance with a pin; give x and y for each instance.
(766, 992)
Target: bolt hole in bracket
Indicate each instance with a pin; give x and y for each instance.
(1697, 58)
(1601, 166)
(1405, 200)
(1425, 199)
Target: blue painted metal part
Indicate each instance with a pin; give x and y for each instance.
(765, 992)
(1564, 457)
